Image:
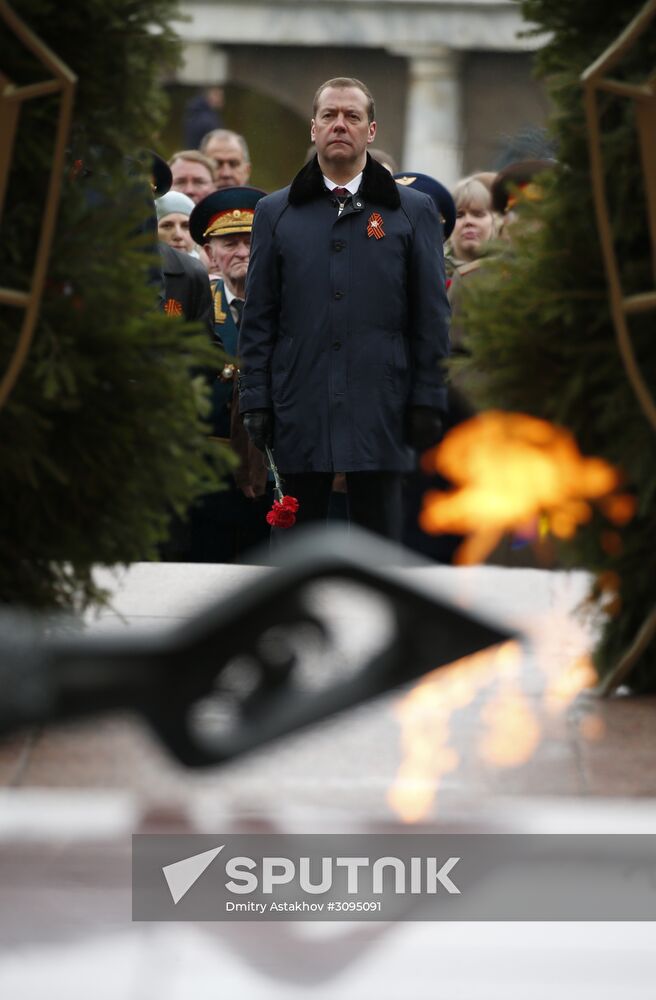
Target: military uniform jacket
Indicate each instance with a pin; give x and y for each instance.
(225, 419)
(346, 321)
(225, 333)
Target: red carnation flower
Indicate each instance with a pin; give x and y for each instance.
(283, 513)
(289, 503)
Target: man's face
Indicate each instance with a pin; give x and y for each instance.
(232, 169)
(193, 179)
(230, 255)
(340, 128)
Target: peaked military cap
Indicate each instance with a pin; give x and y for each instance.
(445, 204)
(224, 212)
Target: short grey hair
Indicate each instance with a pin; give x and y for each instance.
(225, 134)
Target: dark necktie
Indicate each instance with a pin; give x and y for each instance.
(342, 195)
(237, 309)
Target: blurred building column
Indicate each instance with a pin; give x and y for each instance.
(204, 65)
(433, 130)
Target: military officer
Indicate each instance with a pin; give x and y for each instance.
(229, 522)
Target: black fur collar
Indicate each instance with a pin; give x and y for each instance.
(377, 186)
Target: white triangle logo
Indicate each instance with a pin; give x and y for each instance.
(181, 875)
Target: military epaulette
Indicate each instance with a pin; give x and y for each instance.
(219, 315)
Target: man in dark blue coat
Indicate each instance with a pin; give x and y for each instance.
(345, 326)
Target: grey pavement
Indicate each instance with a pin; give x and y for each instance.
(507, 740)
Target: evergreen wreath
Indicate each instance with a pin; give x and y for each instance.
(539, 326)
(102, 436)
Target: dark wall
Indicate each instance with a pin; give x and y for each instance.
(500, 98)
(292, 75)
(276, 135)
(270, 90)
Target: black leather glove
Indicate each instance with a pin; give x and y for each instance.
(259, 427)
(424, 427)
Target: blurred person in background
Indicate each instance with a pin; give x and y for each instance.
(517, 183)
(182, 288)
(513, 189)
(193, 174)
(182, 282)
(229, 154)
(386, 159)
(475, 222)
(439, 194)
(483, 213)
(187, 292)
(475, 226)
(202, 114)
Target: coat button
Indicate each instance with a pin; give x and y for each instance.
(336, 345)
(338, 245)
(339, 295)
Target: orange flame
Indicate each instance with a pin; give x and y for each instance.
(566, 686)
(425, 715)
(510, 468)
(510, 721)
(512, 732)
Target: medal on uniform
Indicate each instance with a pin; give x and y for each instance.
(375, 226)
(172, 307)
